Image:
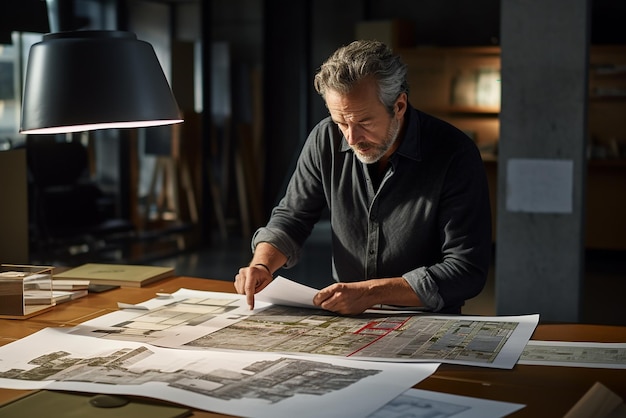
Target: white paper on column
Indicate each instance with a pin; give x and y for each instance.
(539, 185)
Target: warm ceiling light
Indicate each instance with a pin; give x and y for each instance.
(86, 80)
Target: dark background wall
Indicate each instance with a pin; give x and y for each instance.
(287, 40)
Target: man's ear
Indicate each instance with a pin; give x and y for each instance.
(401, 105)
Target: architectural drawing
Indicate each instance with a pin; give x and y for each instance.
(227, 324)
(301, 330)
(405, 406)
(147, 327)
(418, 403)
(263, 385)
(271, 381)
(607, 355)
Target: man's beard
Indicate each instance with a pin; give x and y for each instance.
(375, 151)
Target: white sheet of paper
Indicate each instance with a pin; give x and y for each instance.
(282, 291)
(539, 185)
(418, 403)
(575, 354)
(224, 382)
(216, 321)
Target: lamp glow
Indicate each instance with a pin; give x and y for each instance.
(87, 80)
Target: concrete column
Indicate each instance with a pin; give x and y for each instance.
(541, 161)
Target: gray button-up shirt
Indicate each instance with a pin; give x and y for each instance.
(429, 219)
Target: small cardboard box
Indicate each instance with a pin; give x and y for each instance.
(25, 290)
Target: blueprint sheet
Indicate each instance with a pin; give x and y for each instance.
(193, 319)
(575, 354)
(417, 403)
(242, 384)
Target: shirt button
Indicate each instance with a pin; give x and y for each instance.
(371, 252)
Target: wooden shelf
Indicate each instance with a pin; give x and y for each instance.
(607, 95)
(445, 82)
(608, 162)
(473, 111)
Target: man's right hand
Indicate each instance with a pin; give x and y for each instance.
(251, 280)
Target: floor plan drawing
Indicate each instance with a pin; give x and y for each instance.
(418, 403)
(271, 381)
(301, 330)
(555, 353)
(149, 326)
(198, 321)
(405, 406)
(242, 384)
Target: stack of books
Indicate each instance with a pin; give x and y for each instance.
(123, 275)
(79, 281)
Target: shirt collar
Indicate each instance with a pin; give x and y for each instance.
(410, 147)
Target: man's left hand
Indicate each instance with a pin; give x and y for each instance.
(355, 297)
(345, 298)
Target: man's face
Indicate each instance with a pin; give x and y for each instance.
(366, 124)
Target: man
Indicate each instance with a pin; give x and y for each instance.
(407, 193)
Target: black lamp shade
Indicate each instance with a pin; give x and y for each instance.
(86, 80)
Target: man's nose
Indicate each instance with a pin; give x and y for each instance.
(353, 135)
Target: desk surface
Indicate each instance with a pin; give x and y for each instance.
(547, 391)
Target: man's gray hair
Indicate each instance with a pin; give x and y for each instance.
(358, 60)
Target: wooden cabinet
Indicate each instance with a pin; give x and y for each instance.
(462, 85)
(606, 179)
(606, 204)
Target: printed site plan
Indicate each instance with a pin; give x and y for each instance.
(575, 354)
(236, 383)
(209, 320)
(300, 330)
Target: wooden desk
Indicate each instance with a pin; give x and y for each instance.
(546, 391)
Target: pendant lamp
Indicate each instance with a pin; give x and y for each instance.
(86, 80)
